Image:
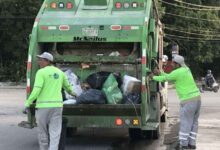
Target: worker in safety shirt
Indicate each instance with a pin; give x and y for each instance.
(48, 84)
(190, 101)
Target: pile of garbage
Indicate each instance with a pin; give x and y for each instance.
(103, 88)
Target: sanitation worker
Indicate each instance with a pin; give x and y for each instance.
(190, 101)
(48, 84)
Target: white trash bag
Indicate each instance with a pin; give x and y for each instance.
(131, 85)
(75, 83)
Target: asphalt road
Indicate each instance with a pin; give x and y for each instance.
(209, 121)
(13, 137)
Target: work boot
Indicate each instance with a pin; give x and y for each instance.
(192, 146)
(181, 147)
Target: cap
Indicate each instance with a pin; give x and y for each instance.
(47, 56)
(179, 60)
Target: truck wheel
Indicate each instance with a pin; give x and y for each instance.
(201, 90)
(215, 90)
(135, 134)
(70, 132)
(163, 118)
(62, 142)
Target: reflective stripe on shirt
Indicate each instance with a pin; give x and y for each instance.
(42, 102)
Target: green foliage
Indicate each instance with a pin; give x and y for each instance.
(201, 52)
(196, 31)
(16, 20)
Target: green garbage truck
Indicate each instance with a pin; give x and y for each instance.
(90, 36)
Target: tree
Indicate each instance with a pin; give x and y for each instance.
(194, 28)
(16, 20)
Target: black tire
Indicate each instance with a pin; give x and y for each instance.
(201, 90)
(215, 90)
(163, 118)
(62, 142)
(135, 134)
(70, 132)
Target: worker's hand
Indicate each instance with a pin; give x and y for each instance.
(25, 110)
(27, 104)
(150, 76)
(156, 71)
(73, 94)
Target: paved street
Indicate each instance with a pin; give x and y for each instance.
(209, 121)
(16, 138)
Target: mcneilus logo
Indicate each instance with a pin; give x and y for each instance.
(93, 39)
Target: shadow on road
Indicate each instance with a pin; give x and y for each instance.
(96, 139)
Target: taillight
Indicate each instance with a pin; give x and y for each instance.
(44, 27)
(118, 122)
(64, 27)
(61, 5)
(126, 27)
(53, 5)
(126, 5)
(115, 27)
(69, 5)
(134, 5)
(135, 122)
(118, 5)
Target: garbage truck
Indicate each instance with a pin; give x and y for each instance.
(90, 36)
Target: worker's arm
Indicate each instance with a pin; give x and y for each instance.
(67, 87)
(166, 77)
(38, 84)
(158, 72)
(163, 73)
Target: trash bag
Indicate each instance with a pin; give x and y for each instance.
(111, 90)
(74, 82)
(91, 96)
(96, 80)
(131, 85)
(69, 101)
(132, 99)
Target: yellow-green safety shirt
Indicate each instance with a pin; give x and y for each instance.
(185, 85)
(48, 84)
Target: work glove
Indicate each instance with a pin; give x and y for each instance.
(73, 94)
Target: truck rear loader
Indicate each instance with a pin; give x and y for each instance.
(80, 32)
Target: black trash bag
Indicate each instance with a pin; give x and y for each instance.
(91, 96)
(132, 98)
(96, 80)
